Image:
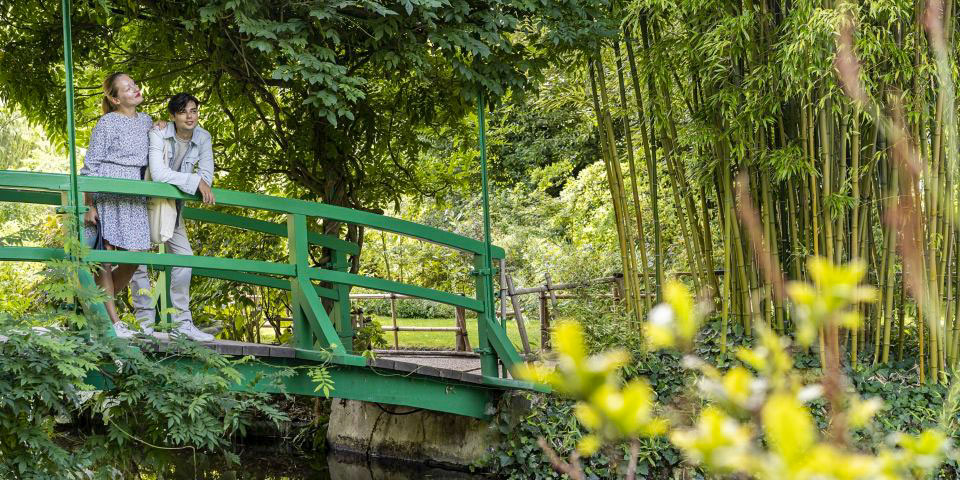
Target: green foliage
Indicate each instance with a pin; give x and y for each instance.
(321, 100)
(407, 308)
(43, 378)
(756, 421)
(369, 336)
(518, 456)
(50, 360)
(321, 376)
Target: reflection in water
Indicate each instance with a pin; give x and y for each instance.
(272, 464)
(343, 467)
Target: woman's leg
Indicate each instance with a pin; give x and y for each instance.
(105, 281)
(122, 276)
(114, 280)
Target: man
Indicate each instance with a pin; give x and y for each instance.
(188, 165)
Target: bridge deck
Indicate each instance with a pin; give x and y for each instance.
(458, 366)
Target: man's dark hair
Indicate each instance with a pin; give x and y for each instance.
(178, 102)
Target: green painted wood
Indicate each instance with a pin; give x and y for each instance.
(302, 337)
(31, 254)
(29, 196)
(278, 229)
(37, 254)
(166, 319)
(74, 206)
(509, 383)
(98, 310)
(240, 277)
(320, 324)
(488, 359)
(235, 274)
(498, 339)
(199, 214)
(261, 280)
(395, 287)
(45, 181)
(172, 260)
(490, 332)
(298, 251)
(313, 327)
(326, 357)
(341, 308)
(58, 182)
(353, 383)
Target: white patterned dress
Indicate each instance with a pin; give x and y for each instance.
(118, 148)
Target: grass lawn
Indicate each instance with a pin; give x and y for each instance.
(439, 340)
(448, 340)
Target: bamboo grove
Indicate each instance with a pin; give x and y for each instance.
(737, 108)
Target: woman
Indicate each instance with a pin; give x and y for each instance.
(118, 149)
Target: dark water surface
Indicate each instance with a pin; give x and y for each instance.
(260, 463)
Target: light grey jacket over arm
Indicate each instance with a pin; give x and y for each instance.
(197, 164)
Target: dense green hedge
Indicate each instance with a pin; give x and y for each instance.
(406, 308)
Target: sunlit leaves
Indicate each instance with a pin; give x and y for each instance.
(674, 322)
(717, 441)
(834, 291)
(609, 410)
(756, 424)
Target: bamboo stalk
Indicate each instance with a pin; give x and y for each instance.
(634, 181)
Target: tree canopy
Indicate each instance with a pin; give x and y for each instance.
(327, 100)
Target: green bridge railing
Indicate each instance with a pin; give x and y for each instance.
(314, 328)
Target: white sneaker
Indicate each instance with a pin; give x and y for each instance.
(188, 329)
(123, 331)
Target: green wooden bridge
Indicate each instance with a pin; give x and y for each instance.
(320, 335)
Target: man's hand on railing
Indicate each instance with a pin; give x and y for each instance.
(206, 192)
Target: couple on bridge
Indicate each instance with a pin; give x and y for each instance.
(127, 144)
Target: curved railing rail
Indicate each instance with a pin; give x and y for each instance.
(313, 327)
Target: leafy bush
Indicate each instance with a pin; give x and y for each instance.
(147, 404)
(758, 419)
(406, 308)
(551, 417)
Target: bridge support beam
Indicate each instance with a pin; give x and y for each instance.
(392, 388)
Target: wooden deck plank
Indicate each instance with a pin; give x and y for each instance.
(430, 364)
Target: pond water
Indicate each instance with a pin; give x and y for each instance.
(263, 463)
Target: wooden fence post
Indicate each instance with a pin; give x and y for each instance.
(518, 316)
(393, 316)
(544, 324)
(549, 285)
(503, 292)
(618, 289)
(463, 342)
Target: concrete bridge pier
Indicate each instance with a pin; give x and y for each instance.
(419, 436)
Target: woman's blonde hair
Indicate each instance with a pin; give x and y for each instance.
(110, 90)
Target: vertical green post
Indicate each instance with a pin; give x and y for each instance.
(341, 307)
(298, 249)
(75, 207)
(164, 321)
(483, 265)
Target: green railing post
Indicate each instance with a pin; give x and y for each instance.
(163, 318)
(482, 263)
(74, 208)
(488, 356)
(341, 307)
(299, 253)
